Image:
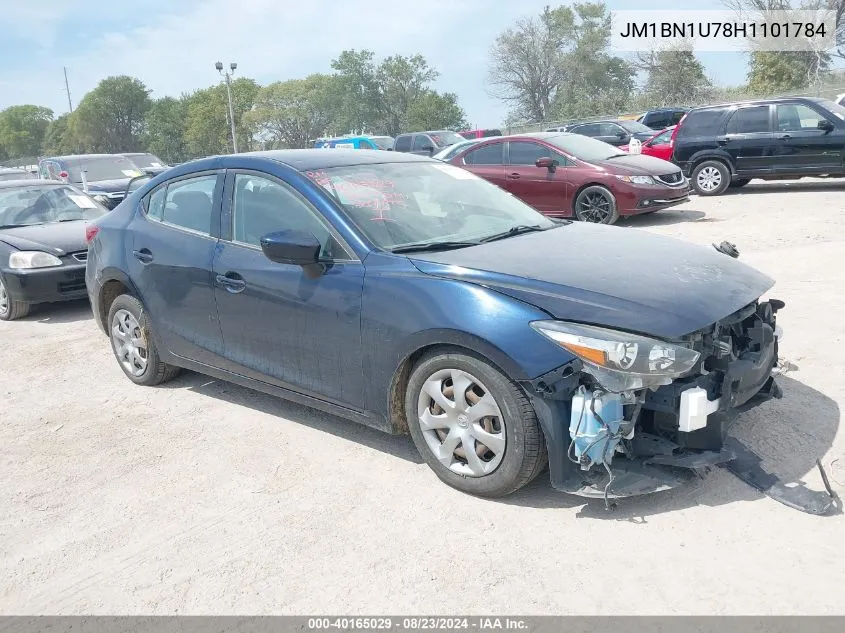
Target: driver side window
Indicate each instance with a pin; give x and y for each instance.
(262, 206)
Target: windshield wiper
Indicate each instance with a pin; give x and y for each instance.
(431, 246)
(616, 156)
(514, 230)
(13, 226)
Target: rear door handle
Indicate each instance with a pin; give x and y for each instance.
(784, 137)
(513, 176)
(232, 282)
(144, 256)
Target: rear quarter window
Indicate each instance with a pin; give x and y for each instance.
(702, 122)
(402, 144)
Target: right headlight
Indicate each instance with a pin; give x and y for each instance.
(619, 360)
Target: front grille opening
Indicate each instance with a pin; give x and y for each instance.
(81, 256)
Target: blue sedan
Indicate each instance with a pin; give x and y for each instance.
(414, 297)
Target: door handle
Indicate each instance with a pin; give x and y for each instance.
(513, 176)
(144, 256)
(784, 137)
(722, 140)
(232, 282)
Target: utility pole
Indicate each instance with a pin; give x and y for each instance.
(232, 67)
(67, 90)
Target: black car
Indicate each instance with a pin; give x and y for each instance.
(42, 243)
(104, 176)
(728, 145)
(426, 143)
(611, 132)
(13, 173)
(662, 118)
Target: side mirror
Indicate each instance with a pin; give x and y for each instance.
(299, 248)
(825, 125)
(547, 162)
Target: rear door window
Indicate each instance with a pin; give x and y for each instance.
(487, 155)
(187, 204)
(750, 120)
(403, 143)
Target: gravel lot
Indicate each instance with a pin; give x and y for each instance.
(202, 497)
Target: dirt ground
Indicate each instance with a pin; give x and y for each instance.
(202, 497)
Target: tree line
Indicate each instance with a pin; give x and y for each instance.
(554, 66)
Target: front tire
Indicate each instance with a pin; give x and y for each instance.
(10, 309)
(596, 204)
(474, 427)
(710, 178)
(131, 339)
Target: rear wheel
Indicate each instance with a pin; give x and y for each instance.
(473, 426)
(9, 308)
(710, 178)
(739, 182)
(133, 345)
(596, 204)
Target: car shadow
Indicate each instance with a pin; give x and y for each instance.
(781, 186)
(665, 218)
(780, 431)
(58, 313)
(396, 445)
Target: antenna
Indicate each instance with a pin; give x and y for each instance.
(67, 90)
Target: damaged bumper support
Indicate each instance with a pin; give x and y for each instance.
(614, 443)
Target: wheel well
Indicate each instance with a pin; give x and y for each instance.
(399, 385)
(111, 291)
(582, 187)
(715, 159)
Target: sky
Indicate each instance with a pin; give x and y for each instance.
(172, 45)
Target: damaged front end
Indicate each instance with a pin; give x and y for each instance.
(633, 415)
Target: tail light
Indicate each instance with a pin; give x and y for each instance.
(91, 232)
(675, 131)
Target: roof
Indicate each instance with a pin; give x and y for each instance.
(13, 170)
(307, 159)
(79, 156)
(428, 132)
(10, 184)
(540, 135)
(729, 104)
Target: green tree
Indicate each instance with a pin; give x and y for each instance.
(167, 120)
(61, 137)
(207, 131)
(558, 65)
(292, 113)
(22, 129)
(111, 117)
(773, 72)
(401, 81)
(357, 95)
(434, 111)
(674, 76)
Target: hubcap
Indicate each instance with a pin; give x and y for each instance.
(709, 179)
(461, 423)
(594, 207)
(4, 299)
(129, 343)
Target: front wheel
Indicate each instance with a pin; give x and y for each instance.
(596, 204)
(473, 426)
(11, 309)
(710, 178)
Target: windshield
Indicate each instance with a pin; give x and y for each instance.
(143, 161)
(396, 204)
(836, 109)
(40, 204)
(584, 147)
(444, 139)
(382, 142)
(105, 168)
(635, 127)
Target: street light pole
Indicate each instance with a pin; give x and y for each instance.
(233, 66)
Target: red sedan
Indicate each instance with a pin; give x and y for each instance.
(565, 175)
(660, 145)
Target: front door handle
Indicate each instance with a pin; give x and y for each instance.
(513, 176)
(144, 255)
(784, 137)
(232, 282)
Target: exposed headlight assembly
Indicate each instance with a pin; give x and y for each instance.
(23, 260)
(618, 360)
(638, 180)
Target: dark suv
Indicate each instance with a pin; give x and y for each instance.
(426, 143)
(728, 145)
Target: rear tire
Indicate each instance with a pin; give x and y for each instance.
(130, 333)
(10, 309)
(710, 178)
(596, 204)
(480, 403)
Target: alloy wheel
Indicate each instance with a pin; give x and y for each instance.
(461, 422)
(594, 207)
(708, 179)
(129, 343)
(5, 302)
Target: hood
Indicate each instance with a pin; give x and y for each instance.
(609, 276)
(56, 238)
(638, 164)
(108, 186)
